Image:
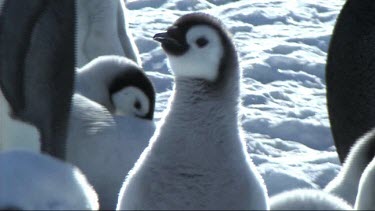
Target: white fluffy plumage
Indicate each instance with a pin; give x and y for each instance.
(345, 184)
(33, 181)
(101, 143)
(307, 199)
(196, 159)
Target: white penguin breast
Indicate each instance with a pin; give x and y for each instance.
(15, 133)
(201, 63)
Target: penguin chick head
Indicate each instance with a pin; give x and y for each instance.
(196, 45)
(132, 100)
(118, 84)
(132, 93)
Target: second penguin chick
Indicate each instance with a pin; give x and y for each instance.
(104, 145)
(307, 199)
(366, 192)
(35, 181)
(196, 158)
(118, 84)
(345, 184)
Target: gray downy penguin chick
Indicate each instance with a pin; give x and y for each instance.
(102, 29)
(307, 199)
(101, 143)
(345, 184)
(44, 37)
(350, 75)
(366, 191)
(35, 63)
(196, 158)
(36, 181)
(118, 84)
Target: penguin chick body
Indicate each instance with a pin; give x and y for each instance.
(196, 158)
(307, 199)
(366, 192)
(118, 84)
(105, 147)
(33, 181)
(345, 184)
(101, 143)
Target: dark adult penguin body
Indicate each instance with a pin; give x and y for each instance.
(350, 74)
(35, 96)
(21, 50)
(196, 158)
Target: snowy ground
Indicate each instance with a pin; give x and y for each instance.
(283, 47)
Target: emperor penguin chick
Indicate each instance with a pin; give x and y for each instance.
(307, 199)
(345, 184)
(366, 191)
(36, 181)
(111, 123)
(118, 84)
(196, 158)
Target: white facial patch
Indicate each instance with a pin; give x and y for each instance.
(199, 61)
(131, 101)
(15, 133)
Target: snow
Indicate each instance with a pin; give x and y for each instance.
(283, 47)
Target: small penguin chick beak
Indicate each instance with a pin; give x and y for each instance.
(164, 38)
(172, 41)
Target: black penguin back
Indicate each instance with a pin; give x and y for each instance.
(350, 74)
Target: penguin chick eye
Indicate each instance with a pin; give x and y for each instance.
(137, 104)
(201, 42)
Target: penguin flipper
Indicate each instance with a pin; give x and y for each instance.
(50, 67)
(43, 65)
(14, 43)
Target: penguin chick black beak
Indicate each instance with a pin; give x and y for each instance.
(164, 38)
(172, 41)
